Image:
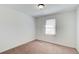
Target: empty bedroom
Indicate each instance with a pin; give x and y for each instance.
(39, 28)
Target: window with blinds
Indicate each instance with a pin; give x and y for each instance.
(50, 27)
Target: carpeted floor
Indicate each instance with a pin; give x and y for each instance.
(41, 47)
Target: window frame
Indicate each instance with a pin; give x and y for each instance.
(51, 28)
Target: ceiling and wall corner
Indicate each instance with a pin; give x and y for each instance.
(32, 10)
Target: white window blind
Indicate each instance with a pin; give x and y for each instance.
(50, 27)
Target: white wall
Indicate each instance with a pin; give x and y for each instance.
(65, 31)
(40, 29)
(77, 31)
(66, 28)
(16, 28)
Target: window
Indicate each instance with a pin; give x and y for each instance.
(50, 27)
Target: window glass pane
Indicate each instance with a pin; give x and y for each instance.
(50, 27)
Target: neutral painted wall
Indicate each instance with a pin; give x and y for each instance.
(65, 28)
(77, 31)
(16, 28)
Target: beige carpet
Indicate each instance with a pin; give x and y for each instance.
(41, 47)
